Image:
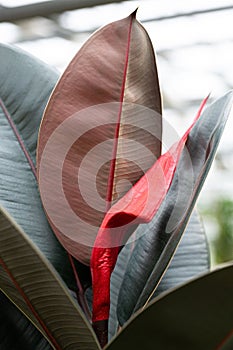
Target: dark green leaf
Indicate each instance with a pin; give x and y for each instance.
(45, 299)
(16, 331)
(154, 250)
(227, 343)
(196, 316)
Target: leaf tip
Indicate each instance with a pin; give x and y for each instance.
(134, 13)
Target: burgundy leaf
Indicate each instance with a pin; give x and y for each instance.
(100, 133)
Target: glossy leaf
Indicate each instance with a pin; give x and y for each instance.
(190, 260)
(16, 331)
(153, 251)
(47, 301)
(197, 315)
(139, 205)
(101, 131)
(26, 84)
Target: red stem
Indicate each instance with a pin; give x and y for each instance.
(80, 292)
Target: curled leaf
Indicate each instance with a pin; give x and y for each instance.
(139, 205)
(154, 250)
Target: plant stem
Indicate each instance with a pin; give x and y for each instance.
(101, 331)
(80, 292)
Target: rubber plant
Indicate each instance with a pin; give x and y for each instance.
(120, 258)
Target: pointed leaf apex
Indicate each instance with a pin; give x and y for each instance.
(133, 14)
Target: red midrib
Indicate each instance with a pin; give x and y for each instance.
(118, 124)
(29, 304)
(101, 279)
(19, 138)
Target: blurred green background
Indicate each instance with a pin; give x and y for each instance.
(219, 216)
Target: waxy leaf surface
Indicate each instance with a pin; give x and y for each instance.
(100, 133)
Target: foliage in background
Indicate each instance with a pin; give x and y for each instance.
(220, 213)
